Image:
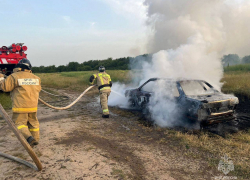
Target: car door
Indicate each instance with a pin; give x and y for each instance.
(144, 93)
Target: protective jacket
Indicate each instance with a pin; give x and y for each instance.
(103, 81)
(1, 77)
(24, 87)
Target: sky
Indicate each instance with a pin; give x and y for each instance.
(57, 32)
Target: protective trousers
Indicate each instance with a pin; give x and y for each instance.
(28, 124)
(104, 102)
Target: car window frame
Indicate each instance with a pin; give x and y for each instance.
(140, 88)
(178, 86)
(200, 82)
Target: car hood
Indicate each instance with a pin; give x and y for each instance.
(216, 97)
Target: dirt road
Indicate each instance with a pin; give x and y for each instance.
(79, 144)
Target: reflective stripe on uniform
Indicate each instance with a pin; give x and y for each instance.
(34, 82)
(24, 109)
(36, 129)
(22, 126)
(104, 88)
(2, 78)
(94, 75)
(105, 110)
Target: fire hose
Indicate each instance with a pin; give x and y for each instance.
(67, 107)
(24, 141)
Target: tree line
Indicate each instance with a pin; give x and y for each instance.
(125, 63)
(234, 59)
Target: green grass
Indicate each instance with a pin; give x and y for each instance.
(239, 67)
(78, 81)
(5, 100)
(116, 75)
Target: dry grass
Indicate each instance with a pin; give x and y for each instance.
(237, 83)
(237, 146)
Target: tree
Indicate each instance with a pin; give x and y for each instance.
(246, 60)
(72, 66)
(61, 68)
(230, 60)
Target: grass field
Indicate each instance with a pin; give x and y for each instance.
(236, 82)
(5, 100)
(212, 147)
(78, 80)
(238, 68)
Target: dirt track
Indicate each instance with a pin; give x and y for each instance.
(79, 144)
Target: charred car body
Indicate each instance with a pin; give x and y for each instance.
(197, 100)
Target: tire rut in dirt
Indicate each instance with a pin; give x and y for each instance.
(117, 152)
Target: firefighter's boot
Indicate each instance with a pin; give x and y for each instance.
(105, 116)
(31, 140)
(35, 134)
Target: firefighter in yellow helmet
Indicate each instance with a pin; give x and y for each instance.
(104, 84)
(24, 88)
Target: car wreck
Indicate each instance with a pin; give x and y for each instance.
(198, 101)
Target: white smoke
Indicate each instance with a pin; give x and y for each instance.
(117, 97)
(190, 61)
(188, 39)
(222, 23)
(163, 107)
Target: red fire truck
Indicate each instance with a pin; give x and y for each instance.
(10, 56)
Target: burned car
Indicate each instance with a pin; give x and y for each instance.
(197, 100)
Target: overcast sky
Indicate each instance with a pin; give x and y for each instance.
(60, 31)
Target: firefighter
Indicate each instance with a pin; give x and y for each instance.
(104, 84)
(24, 88)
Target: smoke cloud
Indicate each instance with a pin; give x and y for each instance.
(222, 23)
(190, 61)
(188, 40)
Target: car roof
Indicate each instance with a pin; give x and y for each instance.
(174, 80)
